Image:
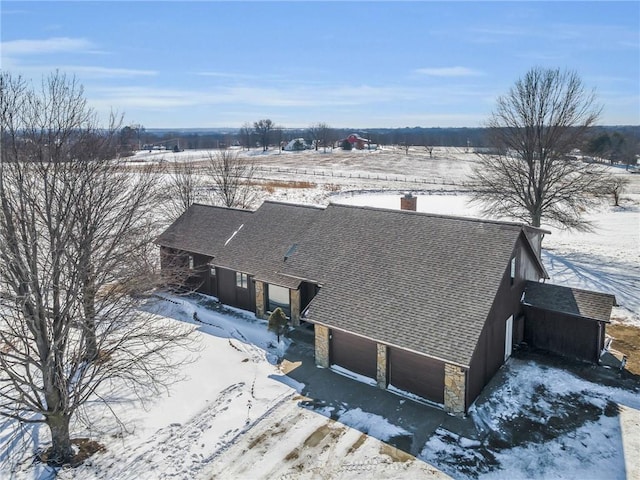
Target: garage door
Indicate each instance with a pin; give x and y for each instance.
(353, 353)
(416, 374)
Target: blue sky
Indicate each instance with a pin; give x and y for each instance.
(358, 64)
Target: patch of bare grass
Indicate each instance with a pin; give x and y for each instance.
(271, 186)
(84, 447)
(627, 341)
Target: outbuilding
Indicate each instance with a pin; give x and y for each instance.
(566, 321)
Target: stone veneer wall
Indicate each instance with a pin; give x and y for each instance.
(259, 299)
(322, 345)
(294, 298)
(381, 367)
(454, 389)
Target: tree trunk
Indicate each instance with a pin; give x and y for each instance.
(91, 343)
(536, 217)
(61, 451)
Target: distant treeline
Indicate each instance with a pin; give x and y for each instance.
(182, 139)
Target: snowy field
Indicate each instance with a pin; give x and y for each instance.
(233, 413)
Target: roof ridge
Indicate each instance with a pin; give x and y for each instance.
(220, 207)
(432, 215)
(292, 204)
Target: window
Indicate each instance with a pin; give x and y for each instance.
(191, 265)
(242, 280)
(278, 297)
(513, 269)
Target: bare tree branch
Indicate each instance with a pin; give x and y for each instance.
(73, 227)
(534, 127)
(231, 176)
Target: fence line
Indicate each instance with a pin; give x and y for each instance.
(361, 176)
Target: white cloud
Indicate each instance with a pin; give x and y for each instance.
(106, 72)
(50, 45)
(449, 72)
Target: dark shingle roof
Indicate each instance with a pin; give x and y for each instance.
(266, 239)
(419, 281)
(203, 229)
(572, 301)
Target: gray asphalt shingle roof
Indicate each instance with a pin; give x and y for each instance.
(572, 301)
(266, 238)
(418, 281)
(203, 229)
(423, 282)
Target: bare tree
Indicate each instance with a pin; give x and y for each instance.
(534, 127)
(185, 185)
(263, 129)
(232, 177)
(72, 225)
(245, 135)
(616, 187)
(321, 134)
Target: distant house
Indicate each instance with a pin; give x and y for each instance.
(296, 144)
(428, 305)
(356, 141)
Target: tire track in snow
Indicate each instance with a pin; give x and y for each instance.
(169, 453)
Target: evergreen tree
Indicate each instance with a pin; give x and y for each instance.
(278, 322)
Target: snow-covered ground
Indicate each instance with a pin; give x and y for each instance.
(233, 413)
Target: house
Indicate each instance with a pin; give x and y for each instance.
(356, 141)
(426, 305)
(296, 144)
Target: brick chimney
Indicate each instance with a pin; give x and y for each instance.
(408, 202)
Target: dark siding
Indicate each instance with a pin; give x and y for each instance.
(518, 329)
(307, 292)
(353, 353)
(175, 264)
(213, 284)
(417, 374)
(563, 334)
(227, 286)
(199, 278)
(489, 354)
(230, 294)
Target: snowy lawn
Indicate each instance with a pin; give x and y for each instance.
(220, 392)
(233, 414)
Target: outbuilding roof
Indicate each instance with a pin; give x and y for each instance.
(571, 301)
(419, 281)
(203, 229)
